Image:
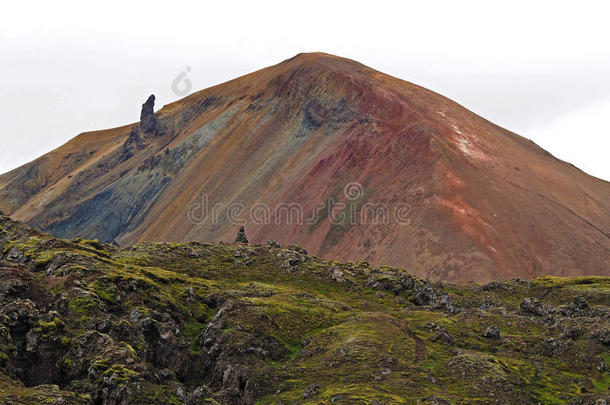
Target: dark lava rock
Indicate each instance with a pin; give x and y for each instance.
(570, 332)
(445, 302)
(604, 336)
(424, 294)
(148, 107)
(492, 332)
(391, 280)
(493, 286)
(311, 390)
(577, 307)
(442, 333)
(533, 306)
(133, 141)
(235, 362)
(553, 347)
(601, 365)
(148, 121)
(291, 258)
(199, 396)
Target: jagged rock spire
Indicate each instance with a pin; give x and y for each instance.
(148, 120)
(148, 107)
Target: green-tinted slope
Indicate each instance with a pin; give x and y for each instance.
(199, 323)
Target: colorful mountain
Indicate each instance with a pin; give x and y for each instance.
(324, 152)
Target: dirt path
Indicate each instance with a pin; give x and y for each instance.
(420, 346)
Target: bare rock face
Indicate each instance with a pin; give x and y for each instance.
(148, 107)
(134, 141)
(148, 121)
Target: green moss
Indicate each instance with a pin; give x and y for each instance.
(68, 363)
(130, 349)
(83, 305)
(45, 258)
(8, 247)
(120, 374)
(100, 363)
(101, 291)
(55, 324)
(299, 327)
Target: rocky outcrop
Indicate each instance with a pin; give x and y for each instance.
(493, 332)
(236, 361)
(133, 142)
(148, 120)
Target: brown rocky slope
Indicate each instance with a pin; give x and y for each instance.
(426, 184)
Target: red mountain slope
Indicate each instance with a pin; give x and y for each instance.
(457, 198)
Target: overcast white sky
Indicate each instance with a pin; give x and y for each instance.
(538, 68)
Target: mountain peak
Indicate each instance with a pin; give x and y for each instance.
(304, 57)
(322, 60)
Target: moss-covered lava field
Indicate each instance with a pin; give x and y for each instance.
(205, 323)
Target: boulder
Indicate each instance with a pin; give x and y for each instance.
(493, 332)
(533, 306)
